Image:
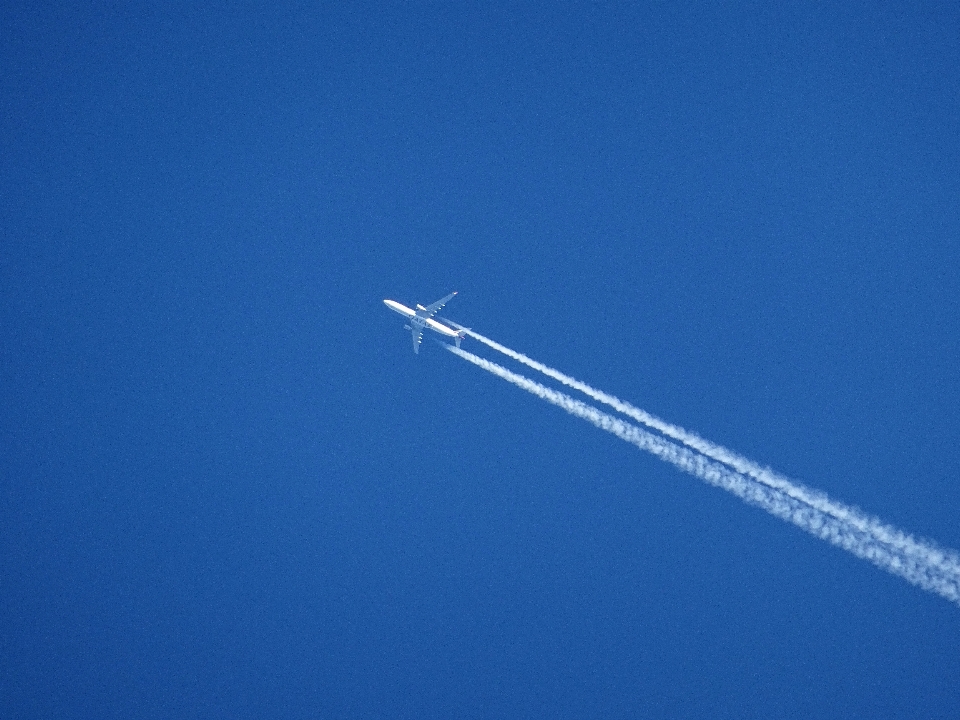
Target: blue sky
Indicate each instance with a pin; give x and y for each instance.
(229, 489)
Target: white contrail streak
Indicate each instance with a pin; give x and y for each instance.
(923, 571)
(924, 551)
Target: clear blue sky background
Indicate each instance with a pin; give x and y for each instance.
(229, 488)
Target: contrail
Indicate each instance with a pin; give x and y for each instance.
(924, 571)
(924, 551)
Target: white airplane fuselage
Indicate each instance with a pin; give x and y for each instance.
(421, 322)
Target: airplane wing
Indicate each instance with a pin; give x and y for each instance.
(432, 309)
(417, 337)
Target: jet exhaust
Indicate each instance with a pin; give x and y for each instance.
(920, 562)
(814, 498)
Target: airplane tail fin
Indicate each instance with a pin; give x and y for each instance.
(461, 329)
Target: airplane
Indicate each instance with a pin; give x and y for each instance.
(422, 318)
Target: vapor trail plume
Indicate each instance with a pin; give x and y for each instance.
(924, 551)
(924, 571)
